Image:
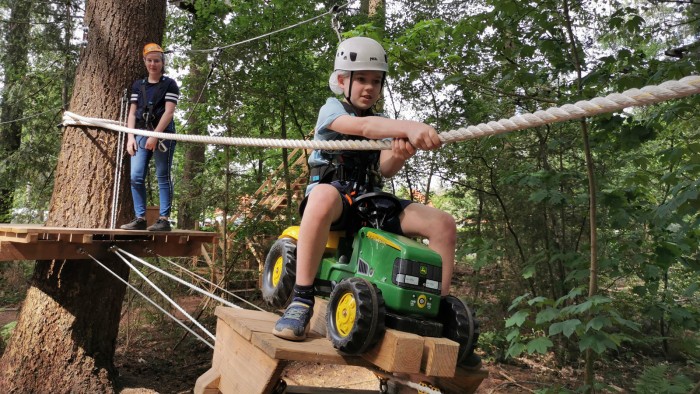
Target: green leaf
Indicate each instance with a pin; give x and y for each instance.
(539, 195)
(546, 315)
(539, 345)
(536, 300)
(598, 342)
(598, 322)
(514, 350)
(567, 327)
(573, 293)
(517, 301)
(529, 272)
(517, 319)
(514, 333)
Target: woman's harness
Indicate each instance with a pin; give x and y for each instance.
(148, 113)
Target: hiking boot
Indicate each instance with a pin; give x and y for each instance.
(136, 224)
(294, 324)
(160, 225)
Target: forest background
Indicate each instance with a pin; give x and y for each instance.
(538, 210)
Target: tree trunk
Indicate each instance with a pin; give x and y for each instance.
(66, 334)
(589, 375)
(12, 104)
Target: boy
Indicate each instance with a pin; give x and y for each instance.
(360, 71)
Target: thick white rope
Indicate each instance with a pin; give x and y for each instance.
(132, 287)
(175, 278)
(613, 102)
(71, 119)
(117, 250)
(205, 280)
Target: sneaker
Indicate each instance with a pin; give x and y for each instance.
(136, 224)
(294, 324)
(160, 225)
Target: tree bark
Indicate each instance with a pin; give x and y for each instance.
(66, 333)
(12, 104)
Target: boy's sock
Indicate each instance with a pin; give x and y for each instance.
(304, 294)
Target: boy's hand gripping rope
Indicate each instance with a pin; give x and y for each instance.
(611, 103)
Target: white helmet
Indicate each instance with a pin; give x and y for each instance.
(360, 54)
(357, 54)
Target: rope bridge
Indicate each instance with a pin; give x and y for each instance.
(611, 103)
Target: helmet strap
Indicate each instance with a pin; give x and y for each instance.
(350, 89)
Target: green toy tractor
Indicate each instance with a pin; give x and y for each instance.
(374, 279)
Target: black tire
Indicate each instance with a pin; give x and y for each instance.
(358, 297)
(460, 325)
(279, 273)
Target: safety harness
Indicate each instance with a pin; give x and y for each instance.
(358, 167)
(148, 115)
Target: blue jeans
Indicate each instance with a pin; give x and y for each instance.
(139, 171)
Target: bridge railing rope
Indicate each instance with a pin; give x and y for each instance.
(611, 103)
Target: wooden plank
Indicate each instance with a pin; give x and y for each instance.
(465, 381)
(326, 390)
(210, 264)
(208, 382)
(397, 352)
(245, 322)
(245, 369)
(439, 357)
(313, 349)
(41, 229)
(249, 359)
(49, 250)
(24, 238)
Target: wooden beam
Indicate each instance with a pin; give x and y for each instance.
(439, 357)
(397, 352)
(49, 250)
(37, 242)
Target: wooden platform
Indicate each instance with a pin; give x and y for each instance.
(249, 359)
(37, 242)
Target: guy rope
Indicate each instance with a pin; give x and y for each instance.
(611, 103)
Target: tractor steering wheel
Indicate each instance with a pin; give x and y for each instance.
(377, 207)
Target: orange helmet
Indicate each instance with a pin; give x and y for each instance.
(152, 47)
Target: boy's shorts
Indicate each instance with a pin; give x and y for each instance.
(350, 222)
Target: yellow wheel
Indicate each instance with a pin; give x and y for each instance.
(345, 314)
(355, 315)
(279, 273)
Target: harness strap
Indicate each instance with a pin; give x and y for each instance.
(358, 167)
(147, 111)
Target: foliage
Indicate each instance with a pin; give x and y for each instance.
(5, 333)
(658, 379)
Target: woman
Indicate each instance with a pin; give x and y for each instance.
(153, 101)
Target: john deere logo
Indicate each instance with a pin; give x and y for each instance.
(424, 270)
